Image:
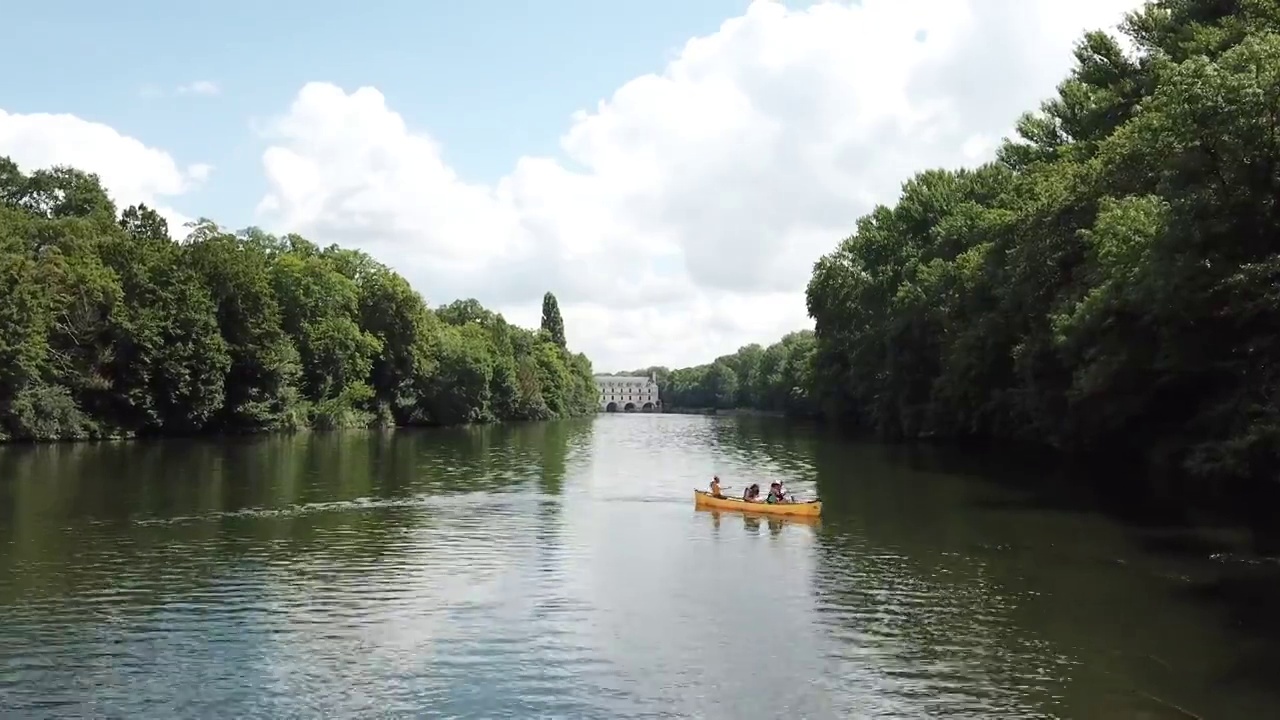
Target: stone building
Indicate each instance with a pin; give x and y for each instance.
(622, 393)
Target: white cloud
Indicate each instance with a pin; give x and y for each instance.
(706, 191)
(199, 172)
(199, 87)
(686, 213)
(130, 171)
(207, 88)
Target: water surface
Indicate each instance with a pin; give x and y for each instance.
(560, 570)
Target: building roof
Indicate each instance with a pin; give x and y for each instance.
(622, 380)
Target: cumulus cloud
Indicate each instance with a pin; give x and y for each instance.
(689, 207)
(684, 213)
(131, 171)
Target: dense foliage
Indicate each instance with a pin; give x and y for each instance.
(776, 379)
(111, 329)
(1111, 283)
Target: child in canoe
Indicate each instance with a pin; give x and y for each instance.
(777, 494)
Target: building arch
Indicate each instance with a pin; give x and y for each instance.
(627, 393)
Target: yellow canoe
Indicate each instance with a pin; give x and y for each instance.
(702, 498)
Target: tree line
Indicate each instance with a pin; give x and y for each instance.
(1110, 283)
(777, 378)
(112, 329)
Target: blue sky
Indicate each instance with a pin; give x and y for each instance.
(698, 204)
(491, 80)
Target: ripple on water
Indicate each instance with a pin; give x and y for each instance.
(494, 579)
(935, 640)
(461, 606)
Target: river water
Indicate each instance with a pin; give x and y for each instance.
(561, 570)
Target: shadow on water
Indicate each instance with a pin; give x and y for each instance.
(1231, 567)
(1019, 539)
(1246, 598)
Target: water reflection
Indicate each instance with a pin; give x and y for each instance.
(751, 520)
(560, 569)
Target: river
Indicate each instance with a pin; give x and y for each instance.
(560, 570)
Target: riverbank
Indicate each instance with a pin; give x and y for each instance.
(319, 429)
(723, 411)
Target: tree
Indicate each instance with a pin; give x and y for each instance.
(1108, 286)
(777, 379)
(552, 323)
(1102, 288)
(112, 329)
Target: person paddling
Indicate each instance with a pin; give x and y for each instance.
(776, 493)
(715, 487)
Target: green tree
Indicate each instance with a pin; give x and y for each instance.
(777, 378)
(113, 329)
(1107, 286)
(552, 323)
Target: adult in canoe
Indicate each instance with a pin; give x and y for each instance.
(752, 493)
(715, 487)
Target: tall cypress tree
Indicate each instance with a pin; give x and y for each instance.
(552, 323)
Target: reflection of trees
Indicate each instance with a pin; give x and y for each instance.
(551, 446)
(98, 543)
(933, 641)
(992, 606)
(68, 509)
(763, 446)
(84, 517)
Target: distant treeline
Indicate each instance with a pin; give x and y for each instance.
(1109, 284)
(109, 328)
(777, 379)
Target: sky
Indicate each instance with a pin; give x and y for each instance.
(671, 170)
